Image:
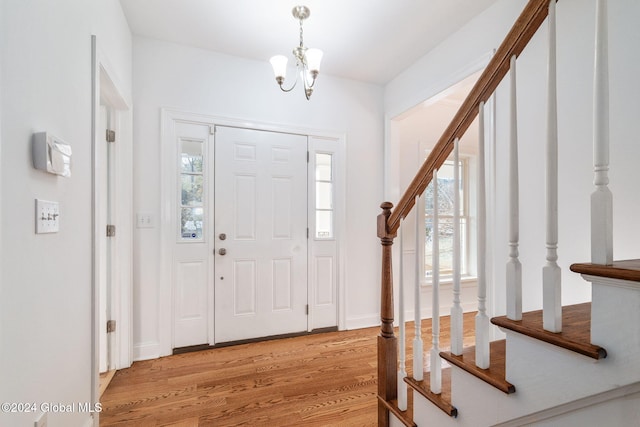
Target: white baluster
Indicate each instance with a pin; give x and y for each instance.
(402, 373)
(418, 365)
(456, 309)
(601, 199)
(514, 268)
(551, 273)
(435, 371)
(482, 320)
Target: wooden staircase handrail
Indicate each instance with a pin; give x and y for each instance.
(532, 16)
(527, 24)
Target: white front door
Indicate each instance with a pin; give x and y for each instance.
(260, 233)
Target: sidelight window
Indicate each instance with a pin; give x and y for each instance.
(324, 195)
(191, 189)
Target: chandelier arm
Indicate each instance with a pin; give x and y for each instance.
(281, 81)
(290, 89)
(305, 72)
(313, 82)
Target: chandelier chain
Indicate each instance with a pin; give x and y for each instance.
(301, 42)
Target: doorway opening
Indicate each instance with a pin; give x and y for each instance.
(111, 206)
(416, 131)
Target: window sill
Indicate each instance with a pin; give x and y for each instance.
(465, 282)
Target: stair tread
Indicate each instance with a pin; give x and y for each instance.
(442, 400)
(406, 417)
(623, 270)
(575, 335)
(494, 375)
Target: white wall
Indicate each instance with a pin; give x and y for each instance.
(45, 303)
(575, 72)
(114, 39)
(199, 81)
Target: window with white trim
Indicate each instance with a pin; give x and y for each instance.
(446, 191)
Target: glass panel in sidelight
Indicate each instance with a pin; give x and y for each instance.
(324, 224)
(324, 195)
(191, 223)
(192, 190)
(323, 166)
(191, 156)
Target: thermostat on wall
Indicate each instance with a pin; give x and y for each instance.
(51, 154)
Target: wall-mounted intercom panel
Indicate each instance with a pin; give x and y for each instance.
(51, 154)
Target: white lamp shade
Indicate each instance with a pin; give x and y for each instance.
(279, 64)
(314, 56)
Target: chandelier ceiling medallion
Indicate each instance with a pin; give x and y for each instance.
(307, 59)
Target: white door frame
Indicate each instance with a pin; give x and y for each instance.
(105, 246)
(167, 209)
(105, 86)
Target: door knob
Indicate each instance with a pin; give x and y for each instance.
(222, 251)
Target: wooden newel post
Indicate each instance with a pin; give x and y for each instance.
(387, 342)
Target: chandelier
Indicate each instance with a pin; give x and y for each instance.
(307, 59)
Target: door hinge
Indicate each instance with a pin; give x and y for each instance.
(111, 135)
(212, 130)
(111, 230)
(307, 232)
(111, 326)
(307, 310)
(307, 157)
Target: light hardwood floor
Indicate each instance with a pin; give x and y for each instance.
(326, 379)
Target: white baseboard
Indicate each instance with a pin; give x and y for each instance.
(371, 320)
(146, 351)
(367, 321)
(575, 406)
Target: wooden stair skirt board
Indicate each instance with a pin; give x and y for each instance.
(406, 417)
(575, 335)
(621, 270)
(494, 375)
(442, 400)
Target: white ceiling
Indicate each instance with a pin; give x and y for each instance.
(366, 40)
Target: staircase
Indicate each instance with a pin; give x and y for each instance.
(558, 366)
(585, 378)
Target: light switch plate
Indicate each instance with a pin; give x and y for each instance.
(144, 220)
(47, 217)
